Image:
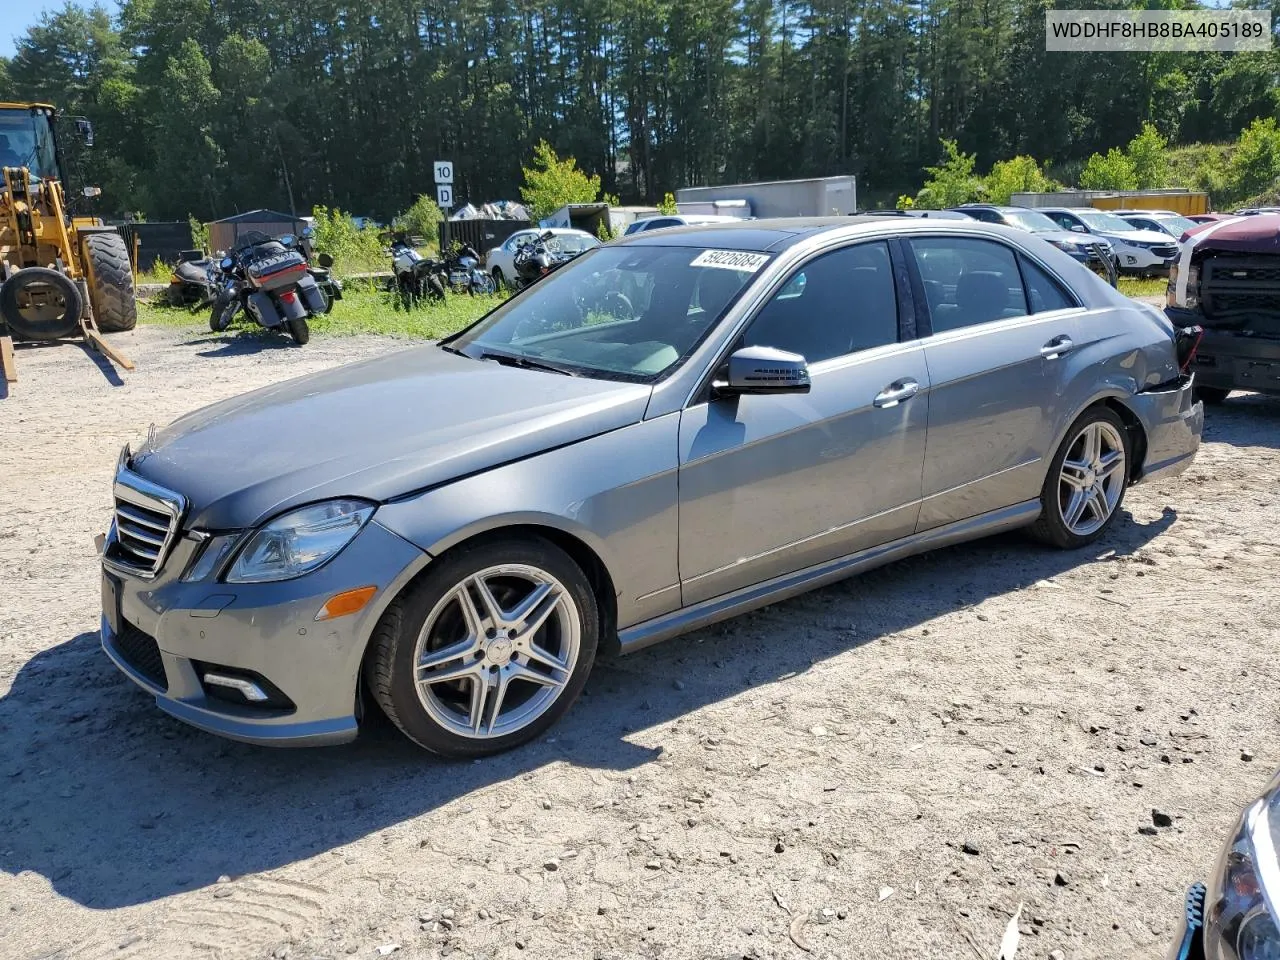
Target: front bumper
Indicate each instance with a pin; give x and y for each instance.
(1139, 260)
(1188, 942)
(1173, 421)
(1231, 360)
(165, 635)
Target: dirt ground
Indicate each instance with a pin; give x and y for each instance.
(883, 768)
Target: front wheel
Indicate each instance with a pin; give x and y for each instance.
(488, 650)
(299, 330)
(1086, 482)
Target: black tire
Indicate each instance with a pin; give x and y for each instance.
(499, 280)
(389, 664)
(110, 277)
(1051, 527)
(299, 330)
(1212, 396)
(221, 315)
(67, 305)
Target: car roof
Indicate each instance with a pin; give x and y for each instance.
(1145, 213)
(776, 234)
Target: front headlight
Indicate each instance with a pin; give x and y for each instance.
(1239, 922)
(299, 541)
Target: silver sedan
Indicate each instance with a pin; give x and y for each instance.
(669, 431)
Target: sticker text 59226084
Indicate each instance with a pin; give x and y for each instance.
(742, 260)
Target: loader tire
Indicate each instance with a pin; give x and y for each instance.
(110, 279)
(40, 304)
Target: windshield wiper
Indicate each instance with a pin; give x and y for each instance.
(508, 360)
(444, 346)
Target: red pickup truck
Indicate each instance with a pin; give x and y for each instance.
(1226, 279)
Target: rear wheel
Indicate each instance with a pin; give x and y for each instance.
(110, 276)
(488, 650)
(1212, 395)
(299, 330)
(1086, 481)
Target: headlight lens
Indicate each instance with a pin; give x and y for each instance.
(300, 541)
(1238, 920)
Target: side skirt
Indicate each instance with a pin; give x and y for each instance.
(728, 605)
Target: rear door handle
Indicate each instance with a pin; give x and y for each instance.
(1057, 347)
(895, 393)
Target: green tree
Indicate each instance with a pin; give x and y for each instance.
(1255, 163)
(421, 219)
(1020, 175)
(952, 182)
(199, 233)
(551, 183)
(667, 206)
(1115, 171)
(1148, 152)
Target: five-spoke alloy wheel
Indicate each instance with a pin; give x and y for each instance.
(488, 650)
(1086, 481)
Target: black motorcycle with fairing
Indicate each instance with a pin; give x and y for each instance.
(270, 280)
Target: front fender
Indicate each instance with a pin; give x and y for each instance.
(616, 493)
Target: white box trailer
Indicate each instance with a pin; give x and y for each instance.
(817, 197)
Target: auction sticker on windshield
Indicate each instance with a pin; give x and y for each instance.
(731, 260)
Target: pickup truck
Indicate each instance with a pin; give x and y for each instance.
(1226, 279)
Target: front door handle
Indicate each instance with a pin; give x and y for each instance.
(896, 392)
(1057, 347)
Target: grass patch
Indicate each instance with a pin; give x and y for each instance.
(362, 310)
(1142, 287)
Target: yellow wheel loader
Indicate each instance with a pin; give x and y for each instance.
(59, 276)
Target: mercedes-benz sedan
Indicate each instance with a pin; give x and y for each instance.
(668, 431)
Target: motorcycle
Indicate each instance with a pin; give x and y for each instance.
(416, 275)
(465, 275)
(534, 260)
(269, 279)
(194, 280)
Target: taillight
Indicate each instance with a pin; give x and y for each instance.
(288, 296)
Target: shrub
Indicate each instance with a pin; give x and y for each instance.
(353, 250)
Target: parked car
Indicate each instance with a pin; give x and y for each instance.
(916, 212)
(665, 432)
(1254, 211)
(663, 221)
(1093, 251)
(565, 243)
(1227, 280)
(1234, 916)
(1173, 225)
(1143, 252)
(1207, 217)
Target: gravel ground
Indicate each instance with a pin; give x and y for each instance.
(883, 768)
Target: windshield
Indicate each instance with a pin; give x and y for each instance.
(1032, 221)
(1177, 225)
(26, 140)
(1106, 222)
(621, 313)
(571, 243)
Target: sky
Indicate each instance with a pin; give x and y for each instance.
(17, 15)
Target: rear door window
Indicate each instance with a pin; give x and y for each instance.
(1044, 292)
(968, 281)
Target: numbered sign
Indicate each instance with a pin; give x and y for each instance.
(444, 171)
(444, 196)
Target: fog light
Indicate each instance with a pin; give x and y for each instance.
(246, 688)
(342, 604)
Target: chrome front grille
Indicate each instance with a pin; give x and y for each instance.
(148, 519)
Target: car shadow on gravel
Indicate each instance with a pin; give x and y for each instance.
(117, 804)
(1245, 420)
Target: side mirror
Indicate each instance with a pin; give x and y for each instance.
(764, 370)
(85, 128)
(227, 263)
(287, 240)
(325, 260)
(1079, 228)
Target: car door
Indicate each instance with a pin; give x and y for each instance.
(772, 484)
(998, 327)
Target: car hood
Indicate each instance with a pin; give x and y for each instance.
(1076, 239)
(1255, 234)
(1138, 236)
(377, 429)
